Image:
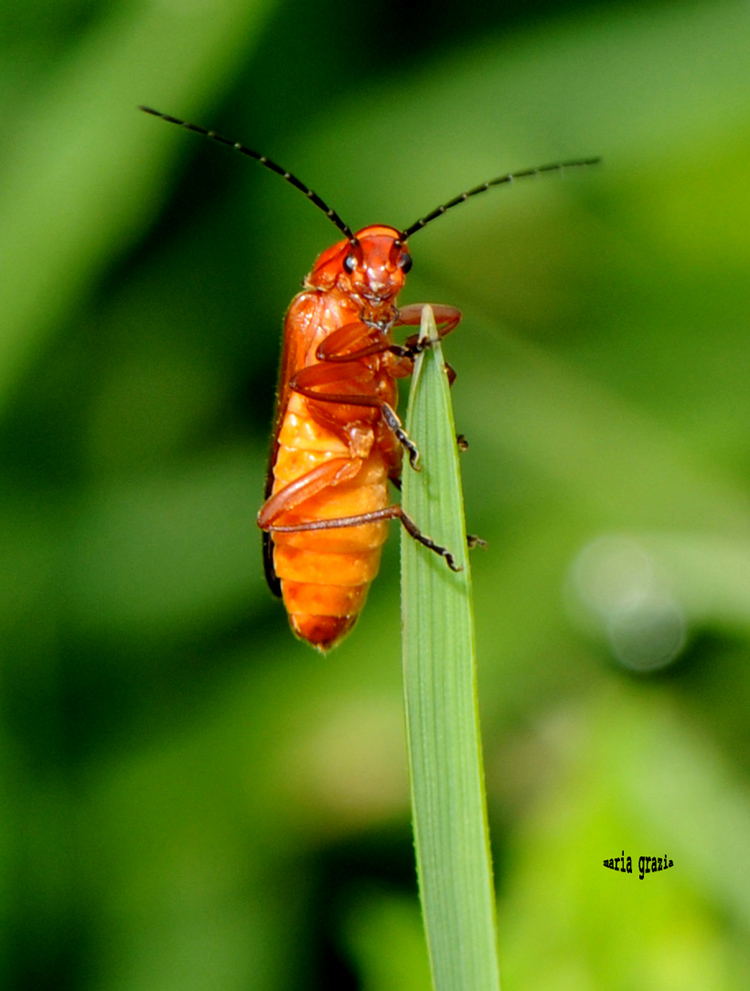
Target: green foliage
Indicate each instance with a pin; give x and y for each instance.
(192, 798)
(445, 762)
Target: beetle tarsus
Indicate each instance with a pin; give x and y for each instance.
(413, 530)
(391, 418)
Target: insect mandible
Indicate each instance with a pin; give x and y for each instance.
(337, 439)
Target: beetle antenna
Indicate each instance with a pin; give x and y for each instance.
(510, 177)
(269, 164)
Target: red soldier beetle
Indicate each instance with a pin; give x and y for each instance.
(337, 438)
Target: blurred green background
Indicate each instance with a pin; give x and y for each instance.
(190, 798)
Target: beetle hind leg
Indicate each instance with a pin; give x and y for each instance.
(413, 530)
(394, 512)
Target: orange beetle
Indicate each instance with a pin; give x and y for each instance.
(337, 438)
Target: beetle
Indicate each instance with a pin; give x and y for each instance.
(337, 439)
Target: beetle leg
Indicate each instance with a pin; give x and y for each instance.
(413, 530)
(392, 420)
(411, 316)
(394, 512)
(351, 342)
(312, 381)
(331, 472)
(405, 355)
(305, 381)
(335, 347)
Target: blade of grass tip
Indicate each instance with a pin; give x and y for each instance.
(445, 761)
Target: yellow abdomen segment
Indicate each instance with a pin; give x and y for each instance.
(325, 574)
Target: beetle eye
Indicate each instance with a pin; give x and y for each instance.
(405, 262)
(350, 263)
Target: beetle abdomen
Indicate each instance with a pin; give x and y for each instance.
(325, 574)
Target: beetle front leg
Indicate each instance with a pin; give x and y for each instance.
(447, 319)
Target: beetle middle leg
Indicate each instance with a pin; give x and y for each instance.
(394, 423)
(359, 340)
(315, 381)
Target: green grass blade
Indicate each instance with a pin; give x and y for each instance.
(447, 782)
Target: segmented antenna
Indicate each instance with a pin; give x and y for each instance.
(510, 177)
(269, 164)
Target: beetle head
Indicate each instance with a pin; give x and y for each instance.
(373, 265)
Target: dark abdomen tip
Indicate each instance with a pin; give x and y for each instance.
(321, 632)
